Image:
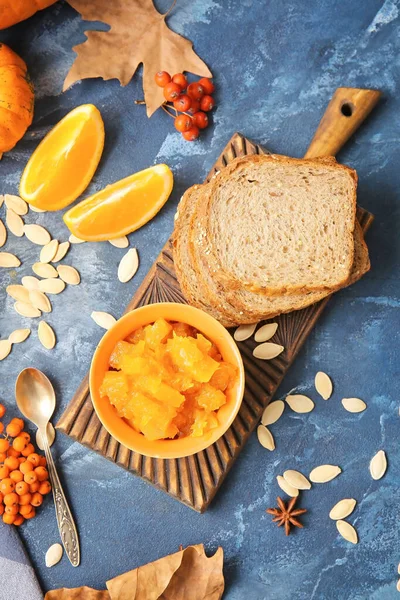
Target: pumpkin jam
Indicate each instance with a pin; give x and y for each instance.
(168, 381)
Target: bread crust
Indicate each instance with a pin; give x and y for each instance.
(188, 278)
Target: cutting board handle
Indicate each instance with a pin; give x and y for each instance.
(344, 114)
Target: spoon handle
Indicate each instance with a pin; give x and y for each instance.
(65, 521)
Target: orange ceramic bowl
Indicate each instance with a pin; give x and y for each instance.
(119, 428)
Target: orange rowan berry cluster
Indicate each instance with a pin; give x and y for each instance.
(23, 474)
(192, 100)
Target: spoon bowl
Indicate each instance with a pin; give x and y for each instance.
(35, 397)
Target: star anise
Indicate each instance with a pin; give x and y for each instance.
(285, 515)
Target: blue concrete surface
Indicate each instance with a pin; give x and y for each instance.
(276, 65)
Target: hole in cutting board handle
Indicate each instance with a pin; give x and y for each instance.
(347, 109)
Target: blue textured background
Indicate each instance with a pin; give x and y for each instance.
(276, 65)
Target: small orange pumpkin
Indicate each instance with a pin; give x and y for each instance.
(14, 11)
(16, 99)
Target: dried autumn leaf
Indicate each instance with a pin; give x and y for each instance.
(180, 576)
(77, 594)
(138, 34)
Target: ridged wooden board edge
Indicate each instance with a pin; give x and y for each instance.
(196, 479)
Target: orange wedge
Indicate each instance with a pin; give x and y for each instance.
(63, 164)
(121, 207)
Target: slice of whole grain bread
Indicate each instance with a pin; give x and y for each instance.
(244, 306)
(279, 225)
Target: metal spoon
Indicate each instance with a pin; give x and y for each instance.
(36, 400)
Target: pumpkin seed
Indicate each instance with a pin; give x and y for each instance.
(299, 403)
(75, 240)
(398, 584)
(378, 465)
(244, 332)
(266, 332)
(273, 412)
(37, 234)
(347, 531)
(3, 234)
(5, 348)
(69, 274)
(121, 242)
(267, 351)
(30, 282)
(286, 487)
(19, 335)
(297, 480)
(15, 203)
(26, 310)
(53, 555)
(14, 223)
(103, 319)
(51, 434)
(324, 473)
(128, 266)
(323, 385)
(36, 210)
(18, 292)
(46, 335)
(44, 270)
(48, 251)
(51, 286)
(265, 437)
(1, 200)
(39, 300)
(8, 260)
(342, 509)
(398, 570)
(354, 405)
(61, 251)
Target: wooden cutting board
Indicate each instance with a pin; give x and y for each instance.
(195, 480)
